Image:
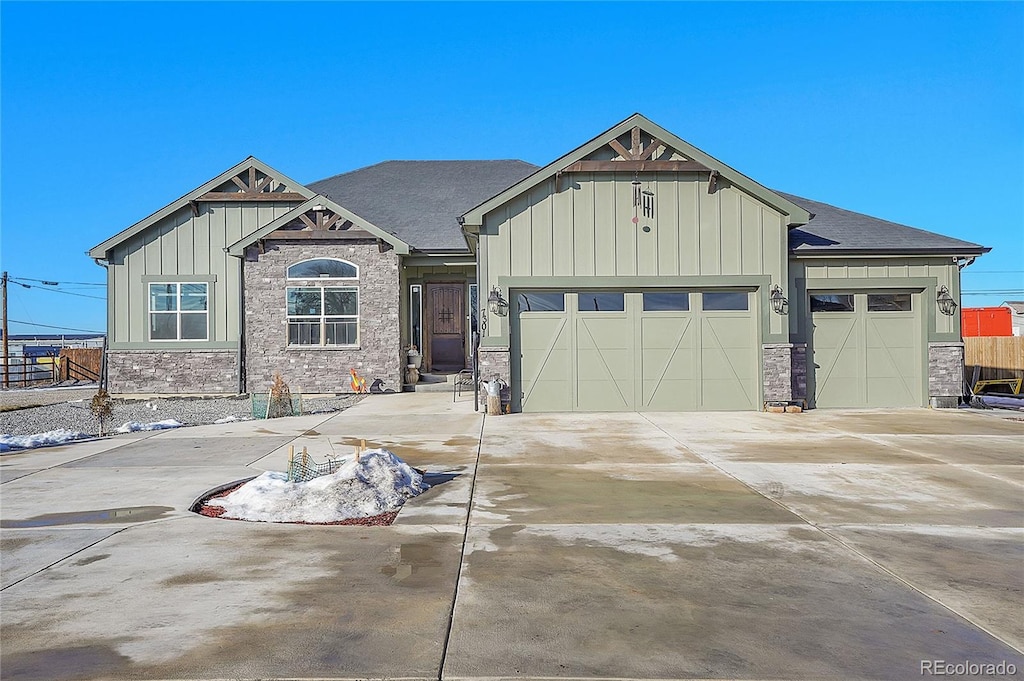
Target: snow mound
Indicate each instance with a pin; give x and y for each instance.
(378, 483)
(50, 437)
(135, 426)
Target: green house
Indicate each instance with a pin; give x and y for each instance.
(634, 273)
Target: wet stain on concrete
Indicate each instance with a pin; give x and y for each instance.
(267, 432)
(325, 614)
(734, 609)
(13, 543)
(198, 577)
(131, 514)
(416, 561)
(311, 433)
(550, 494)
(92, 559)
(81, 662)
(462, 441)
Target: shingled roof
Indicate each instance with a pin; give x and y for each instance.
(420, 201)
(840, 231)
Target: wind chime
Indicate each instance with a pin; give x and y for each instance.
(643, 200)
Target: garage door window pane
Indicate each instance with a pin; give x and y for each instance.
(889, 302)
(541, 302)
(726, 300)
(666, 302)
(832, 302)
(602, 302)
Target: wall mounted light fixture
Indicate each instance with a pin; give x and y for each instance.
(496, 303)
(779, 302)
(947, 305)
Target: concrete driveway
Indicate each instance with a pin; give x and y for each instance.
(822, 545)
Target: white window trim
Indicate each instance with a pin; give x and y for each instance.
(177, 312)
(323, 316)
(341, 260)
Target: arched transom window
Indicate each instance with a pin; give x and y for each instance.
(323, 314)
(323, 268)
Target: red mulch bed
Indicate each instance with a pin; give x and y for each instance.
(218, 511)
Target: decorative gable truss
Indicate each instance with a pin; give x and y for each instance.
(251, 184)
(645, 153)
(320, 218)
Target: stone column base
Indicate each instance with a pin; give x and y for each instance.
(785, 372)
(495, 363)
(945, 374)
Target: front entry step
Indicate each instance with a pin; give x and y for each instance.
(433, 383)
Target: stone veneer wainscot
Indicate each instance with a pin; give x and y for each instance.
(172, 372)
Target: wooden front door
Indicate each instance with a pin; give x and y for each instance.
(445, 337)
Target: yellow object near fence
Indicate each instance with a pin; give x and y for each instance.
(1013, 383)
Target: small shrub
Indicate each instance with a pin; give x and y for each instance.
(102, 407)
(280, 403)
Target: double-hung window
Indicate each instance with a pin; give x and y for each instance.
(179, 311)
(323, 314)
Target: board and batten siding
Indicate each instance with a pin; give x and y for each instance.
(881, 272)
(177, 248)
(586, 230)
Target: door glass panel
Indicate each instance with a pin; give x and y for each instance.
(832, 302)
(474, 302)
(725, 300)
(889, 302)
(602, 301)
(541, 301)
(415, 314)
(666, 301)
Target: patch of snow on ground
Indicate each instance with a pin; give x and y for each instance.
(378, 483)
(135, 426)
(231, 419)
(50, 437)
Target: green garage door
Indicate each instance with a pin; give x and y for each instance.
(867, 350)
(635, 351)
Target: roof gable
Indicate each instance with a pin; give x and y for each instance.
(638, 144)
(249, 180)
(340, 217)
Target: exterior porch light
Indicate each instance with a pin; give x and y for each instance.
(779, 302)
(947, 305)
(496, 303)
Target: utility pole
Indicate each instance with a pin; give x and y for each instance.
(7, 366)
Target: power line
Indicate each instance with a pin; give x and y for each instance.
(57, 290)
(993, 272)
(50, 326)
(51, 282)
(993, 293)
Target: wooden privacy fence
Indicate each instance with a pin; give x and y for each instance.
(994, 356)
(81, 364)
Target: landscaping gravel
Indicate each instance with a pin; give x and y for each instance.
(190, 411)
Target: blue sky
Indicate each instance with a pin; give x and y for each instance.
(912, 112)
